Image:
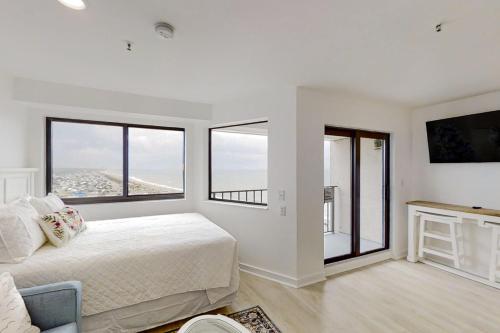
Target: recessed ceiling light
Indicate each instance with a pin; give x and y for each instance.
(74, 4)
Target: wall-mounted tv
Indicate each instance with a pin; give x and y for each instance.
(472, 138)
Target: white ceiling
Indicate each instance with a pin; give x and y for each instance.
(385, 49)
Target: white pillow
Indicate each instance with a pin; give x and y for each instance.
(46, 205)
(20, 232)
(14, 316)
(15, 242)
(30, 217)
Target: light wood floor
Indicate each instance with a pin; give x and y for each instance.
(394, 296)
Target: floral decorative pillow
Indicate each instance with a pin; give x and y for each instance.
(62, 226)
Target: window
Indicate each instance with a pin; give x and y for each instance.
(238, 163)
(91, 162)
(150, 170)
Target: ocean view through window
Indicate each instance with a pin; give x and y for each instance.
(151, 172)
(92, 162)
(238, 163)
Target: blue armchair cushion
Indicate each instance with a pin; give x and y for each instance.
(55, 306)
(68, 328)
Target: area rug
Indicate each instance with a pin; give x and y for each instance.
(254, 319)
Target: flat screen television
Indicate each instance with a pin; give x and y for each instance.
(472, 138)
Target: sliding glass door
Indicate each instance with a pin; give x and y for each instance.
(373, 192)
(356, 187)
(337, 221)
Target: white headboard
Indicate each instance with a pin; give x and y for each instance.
(15, 183)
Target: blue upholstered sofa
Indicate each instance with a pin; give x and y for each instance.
(55, 308)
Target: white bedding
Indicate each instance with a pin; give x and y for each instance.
(128, 261)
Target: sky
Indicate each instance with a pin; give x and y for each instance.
(77, 145)
(236, 151)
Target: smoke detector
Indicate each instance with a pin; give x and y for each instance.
(164, 30)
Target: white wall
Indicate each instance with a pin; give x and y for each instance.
(23, 142)
(12, 127)
(469, 184)
(267, 240)
(289, 247)
(36, 141)
(317, 109)
(40, 92)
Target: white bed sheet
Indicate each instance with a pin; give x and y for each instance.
(143, 316)
(129, 261)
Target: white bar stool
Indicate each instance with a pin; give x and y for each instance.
(495, 252)
(451, 238)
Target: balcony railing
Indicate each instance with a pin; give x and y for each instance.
(253, 197)
(259, 197)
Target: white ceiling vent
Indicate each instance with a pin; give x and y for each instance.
(164, 30)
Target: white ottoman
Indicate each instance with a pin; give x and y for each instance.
(212, 324)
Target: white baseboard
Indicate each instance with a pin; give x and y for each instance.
(350, 264)
(331, 269)
(281, 278)
(400, 255)
(311, 279)
(270, 275)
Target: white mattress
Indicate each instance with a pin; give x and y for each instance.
(128, 261)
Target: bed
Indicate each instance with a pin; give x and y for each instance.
(139, 273)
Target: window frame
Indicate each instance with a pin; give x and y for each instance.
(210, 166)
(125, 197)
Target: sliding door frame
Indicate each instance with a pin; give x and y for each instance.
(355, 136)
